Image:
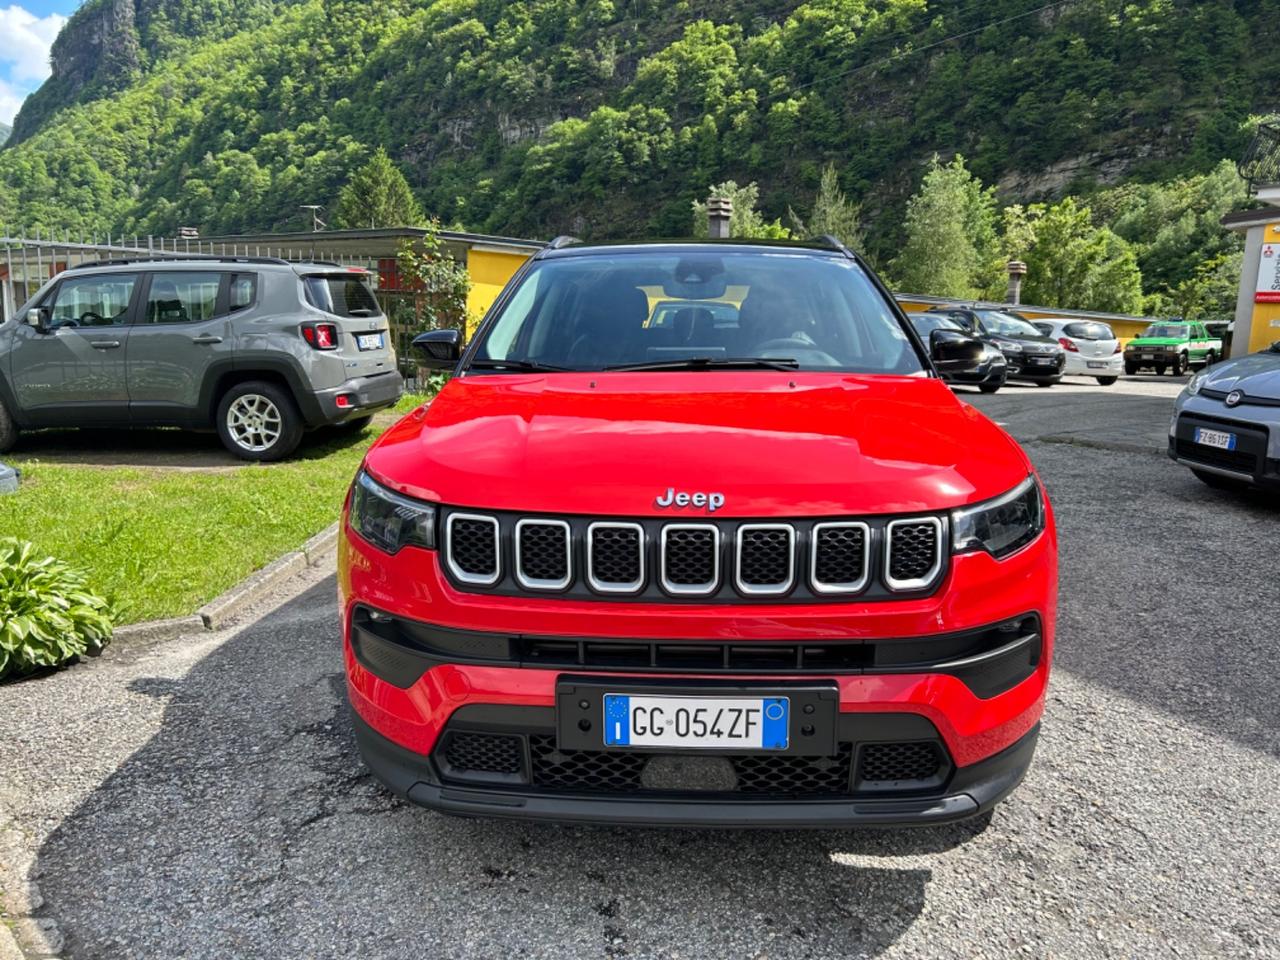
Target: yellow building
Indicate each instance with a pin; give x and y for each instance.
(1257, 322)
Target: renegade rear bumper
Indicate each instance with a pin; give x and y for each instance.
(364, 395)
(970, 791)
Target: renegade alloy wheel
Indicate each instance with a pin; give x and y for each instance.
(258, 421)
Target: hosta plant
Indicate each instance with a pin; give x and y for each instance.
(47, 614)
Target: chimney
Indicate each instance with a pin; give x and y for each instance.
(1017, 270)
(719, 213)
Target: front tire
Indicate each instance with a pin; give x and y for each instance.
(1179, 365)
(1131, 369)
(259, 421)
(988, 387)
(1106, 381)
(1045, 383)
(1160, 368)
(8, 430)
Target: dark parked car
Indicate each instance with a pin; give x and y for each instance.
(988, 375)
(1029, 353)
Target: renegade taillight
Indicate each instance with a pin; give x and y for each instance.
(322, 336)
(1068, 345)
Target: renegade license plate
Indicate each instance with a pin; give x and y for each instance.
(1216, 438)
(369, 341)
(697, 723)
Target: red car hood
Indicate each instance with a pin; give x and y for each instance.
(802, 444)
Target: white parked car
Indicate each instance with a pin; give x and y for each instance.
(1091, 346)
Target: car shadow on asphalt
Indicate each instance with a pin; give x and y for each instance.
(248, 826)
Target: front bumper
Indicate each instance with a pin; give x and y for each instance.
(968, 792)
(1256, 459)
(364, 395)
(1027, 367)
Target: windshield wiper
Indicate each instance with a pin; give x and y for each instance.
(520, 366)
(713, 363)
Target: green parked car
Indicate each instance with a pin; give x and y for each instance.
(1176, 346)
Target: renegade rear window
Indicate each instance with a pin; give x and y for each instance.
(343, 295)
(604, 310)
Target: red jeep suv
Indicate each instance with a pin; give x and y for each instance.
(696, 535)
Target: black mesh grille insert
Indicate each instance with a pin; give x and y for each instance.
(895, 762)
(615, 555)
(841, 555)
(584, 770)
(912, 550)
(1238, 460)
(543, 552)
(765, 557)
(483, 753)
(690, 557)
(781, 775)
(473, 546)
(602, 771)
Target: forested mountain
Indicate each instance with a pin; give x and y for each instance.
(5, 130)
(606, 118)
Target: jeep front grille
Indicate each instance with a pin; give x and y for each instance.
(689, 561)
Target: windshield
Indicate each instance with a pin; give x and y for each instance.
(926, 323)
(605, 310)
(1006, 324)
(1176, 331)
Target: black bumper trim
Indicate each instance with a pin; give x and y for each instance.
(371, 394)
(973, 790)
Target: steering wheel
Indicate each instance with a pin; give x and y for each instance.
(794, 348)
(89, 319)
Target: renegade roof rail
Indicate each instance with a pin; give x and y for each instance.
(831, 242)
(212, 258)
(559, 242)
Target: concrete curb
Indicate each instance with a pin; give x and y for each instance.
(221, 610)
(22, 935)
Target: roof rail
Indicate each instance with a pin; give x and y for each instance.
(562, 241)
(832, 242)
(179, 258)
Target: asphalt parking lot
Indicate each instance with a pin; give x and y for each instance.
(203, 798)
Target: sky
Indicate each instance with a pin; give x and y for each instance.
(26, 31)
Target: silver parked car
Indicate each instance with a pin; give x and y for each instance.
(1092, 349)
(257, 348)
(1226, 422)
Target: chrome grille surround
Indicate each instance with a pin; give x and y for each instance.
(475, 579)
(769, 589)
(923, 580)
(608, 586)
(706, 587)
(839, 588)
(537, 583)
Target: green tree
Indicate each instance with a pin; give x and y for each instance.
(950, 244)
(746, 221)
(377, 195)
(833, 213)
(439, 283)
(1074, 264)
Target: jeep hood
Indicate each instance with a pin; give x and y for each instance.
(774, 444)
(1255, 375)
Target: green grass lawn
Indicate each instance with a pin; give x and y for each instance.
(162, 542)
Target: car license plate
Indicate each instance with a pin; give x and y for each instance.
(1148, 356)
(697, 723)
(1216, 438)
(1097, 364)
(369, 341)
(1042, 360)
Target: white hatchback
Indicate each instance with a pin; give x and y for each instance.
(1091, 347)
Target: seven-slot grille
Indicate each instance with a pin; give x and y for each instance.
(688, 560)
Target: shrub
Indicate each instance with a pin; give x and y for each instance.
(47, 615)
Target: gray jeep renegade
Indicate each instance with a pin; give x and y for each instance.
(259, 349)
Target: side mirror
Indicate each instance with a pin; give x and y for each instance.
(439, 349)
(38, 319)
(953, 351)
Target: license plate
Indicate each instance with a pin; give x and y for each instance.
(1042, 360)
(369, 341)
(1148, 356)
(697, 723)
(1097, 364)
(1216, 438)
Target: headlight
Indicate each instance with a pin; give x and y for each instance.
(388, 520)
(1009, 345)
(1197, 382)
(1002, 525)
